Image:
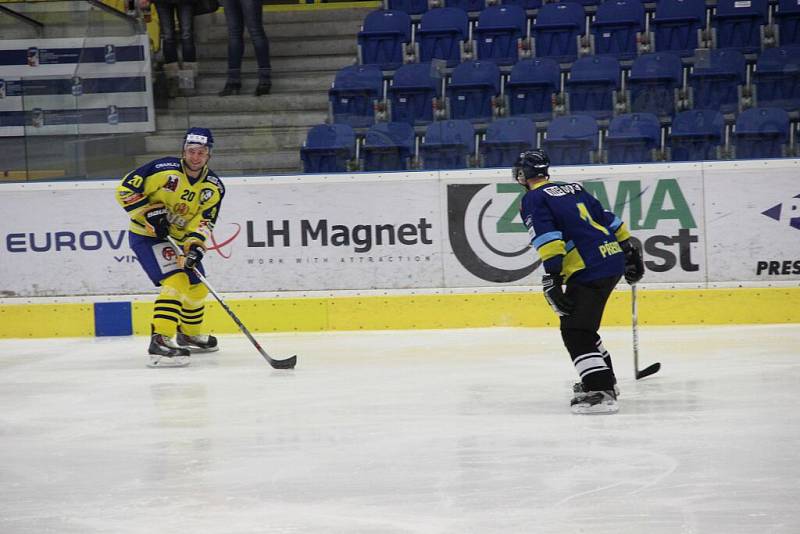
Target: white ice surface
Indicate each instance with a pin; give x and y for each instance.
(460, 431)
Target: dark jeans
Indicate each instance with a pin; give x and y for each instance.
(239, 13)
(166, 22)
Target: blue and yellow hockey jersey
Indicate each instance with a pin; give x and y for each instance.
(572, 232)
(192, 204)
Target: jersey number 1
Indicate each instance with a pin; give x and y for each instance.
(584, 211)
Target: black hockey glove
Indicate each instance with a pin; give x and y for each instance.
(634, 265)
(157, 221)
(193, 256)
(551, 285)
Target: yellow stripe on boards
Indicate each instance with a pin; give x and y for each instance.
(712, 306)
(526, 309)
(46, 320)
(397, 312)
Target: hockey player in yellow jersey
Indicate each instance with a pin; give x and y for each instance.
(179, 198)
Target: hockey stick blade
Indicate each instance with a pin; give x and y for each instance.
(288, 363)
(647, 371)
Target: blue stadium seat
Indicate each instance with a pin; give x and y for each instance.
(653, 81)
(471, 89)
(761, 133)
(616, 27)
(447, 145)
(571, 140)
(388, 146)
(676, 25)
(327, 148)
(353, 94)
(696, 135)
(466, 5)
(498, 32)
(788, 17)
(715, 79)
(411, 94)
(777, 78)
(738, 24)
(440, 34)
(531, 87)
(524, 4)
(591, 86)
(412, 7)
(505, 139)
(556, 31)
(632, 137)
(382, 38)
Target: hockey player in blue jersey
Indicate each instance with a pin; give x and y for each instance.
(179, 198)
(588, 248)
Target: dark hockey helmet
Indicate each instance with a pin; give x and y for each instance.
(531, 164)
(198, 136)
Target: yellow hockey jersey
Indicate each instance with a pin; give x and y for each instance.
(192, 203)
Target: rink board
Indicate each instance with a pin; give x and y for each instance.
(398, 312)
(698, 223)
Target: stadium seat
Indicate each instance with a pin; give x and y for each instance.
(592, 85)
(447, 145)
(531, 88)
(441, 32)
(788, 17)
(716, 78)
(696, 135)
(412, 7)
(676, 25)
(411, 94)
(472, 87)
(498, 33)
(524, 4)
(632, 137)
(761, 133)
(653, 83)
(353, 94)
(466, 5)
(388, 146)
(383, 37)
(505, 139)
(571, 140)
(327, 148)
(738, 24)
(616, 28)
(777, 78)
(557, 29)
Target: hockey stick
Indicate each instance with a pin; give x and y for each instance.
(288, 363)
(647, 371)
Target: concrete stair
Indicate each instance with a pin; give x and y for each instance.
(262, 135)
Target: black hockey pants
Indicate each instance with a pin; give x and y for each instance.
(579, 332)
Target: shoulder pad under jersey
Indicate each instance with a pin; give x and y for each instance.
(162, 164)
(214, 179)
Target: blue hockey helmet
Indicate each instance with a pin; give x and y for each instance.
(533, 163)
(198, 136)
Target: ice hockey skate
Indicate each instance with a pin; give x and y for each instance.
(165, 353)
(594, 402)
(577, 387)
(197, 344)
